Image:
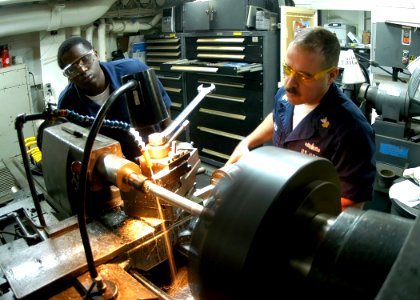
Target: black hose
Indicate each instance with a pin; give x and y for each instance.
(81, 216)
(19, 121)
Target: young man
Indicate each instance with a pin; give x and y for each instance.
(312, 116)
(91, 82)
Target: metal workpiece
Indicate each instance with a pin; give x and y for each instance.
(116, 170)
(173, 198)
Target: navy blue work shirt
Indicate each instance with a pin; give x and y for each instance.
(74, 99)
(336, 130)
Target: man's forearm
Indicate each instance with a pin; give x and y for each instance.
(262, 134)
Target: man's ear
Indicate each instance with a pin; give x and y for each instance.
(333, 75)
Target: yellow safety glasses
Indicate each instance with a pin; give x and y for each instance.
(288, 71)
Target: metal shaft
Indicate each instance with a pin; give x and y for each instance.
(147, 186)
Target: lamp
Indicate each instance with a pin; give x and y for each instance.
(352, 73)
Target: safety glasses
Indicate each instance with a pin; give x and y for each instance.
(72, 70)
(288, 71)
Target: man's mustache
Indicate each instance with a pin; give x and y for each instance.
(292, 90)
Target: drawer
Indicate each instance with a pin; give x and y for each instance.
(161, 49)
(212, 145)
(228, 48)
(233, 84)
(226, 123)
(177, 101)
(170, 79)
(218, 104)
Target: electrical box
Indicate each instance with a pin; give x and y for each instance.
(222, 15)
(15, 99)
(395, 45)
(341, 31)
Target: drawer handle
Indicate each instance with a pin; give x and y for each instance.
(175, 47)
(221, 133)
(215, 153)
(225, 56)
(228, 98)
(176, 104)
(236, 85)
(171, 54)
(161, 41)
(191, 68)
(221, 48)
(220, 40)
(158, 60)
(169, 77)
(222, 114)
(173, 90)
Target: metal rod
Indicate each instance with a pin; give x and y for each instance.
(149, 187)
(153, 288)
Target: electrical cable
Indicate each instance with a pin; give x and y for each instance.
(375, 64)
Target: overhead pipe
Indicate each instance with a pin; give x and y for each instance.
(76, 31)
(16, 20)
(133, 27)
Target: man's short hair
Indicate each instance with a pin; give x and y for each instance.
(68, 44)
(319, 38)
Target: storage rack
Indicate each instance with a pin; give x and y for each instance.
(242, 65)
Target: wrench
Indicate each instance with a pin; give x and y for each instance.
(161, 138)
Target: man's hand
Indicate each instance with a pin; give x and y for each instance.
(239, 151)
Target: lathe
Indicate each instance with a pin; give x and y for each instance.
(269, 226)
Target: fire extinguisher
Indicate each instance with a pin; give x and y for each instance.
(5, 56)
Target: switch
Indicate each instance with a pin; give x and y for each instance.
(405, 57)
(406, 35)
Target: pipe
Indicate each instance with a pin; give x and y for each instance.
(156, 19)
(44, 17)
(89, 33)
(76, 31)
(101, 40)
(125, 26)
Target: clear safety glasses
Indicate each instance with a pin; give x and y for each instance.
(72, 70)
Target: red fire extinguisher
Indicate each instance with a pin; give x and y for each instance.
(5, 56)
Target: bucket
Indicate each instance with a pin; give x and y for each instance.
(139, 51)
